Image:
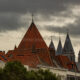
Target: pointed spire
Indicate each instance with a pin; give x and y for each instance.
(32, 37)
(15, 47)
(51, 38)
(59, 35)
(59, 48)
(51, 46)
(32, 18)
(68, 48)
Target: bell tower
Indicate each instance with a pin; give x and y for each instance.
(68, 49)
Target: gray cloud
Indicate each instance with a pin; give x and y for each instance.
(9, 21)
(12, 10)
(74, 30)
(23, 6)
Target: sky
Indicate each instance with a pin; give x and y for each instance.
(52, 18)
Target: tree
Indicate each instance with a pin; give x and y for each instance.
(1, 74)
(47, 75)
(15, 71)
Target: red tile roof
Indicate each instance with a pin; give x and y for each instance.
(32, 50)
(3, 56)
(32, 37)
(66, 63)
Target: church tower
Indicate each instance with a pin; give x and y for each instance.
(68, 49)
(32, 50)
(59, 48)
(79, 57)
(52, 49)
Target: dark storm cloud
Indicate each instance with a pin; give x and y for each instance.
(74, 30)
(23, 6)
(10, 22)
(34, 5)
(12, 10)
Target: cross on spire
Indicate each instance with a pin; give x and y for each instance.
(59, 35)
(32, 17)
(51, 38)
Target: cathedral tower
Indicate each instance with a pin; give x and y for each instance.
(52, 49)
(68, 49)
(59, 48)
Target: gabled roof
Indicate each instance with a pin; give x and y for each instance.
(68, 48)
(63, 60)
(59, 48)
(66, 63)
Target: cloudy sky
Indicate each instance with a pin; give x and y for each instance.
(50, 16)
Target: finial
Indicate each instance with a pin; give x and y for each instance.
(67, 31)
(15, 47)
(51, 38)
(59, 35)
(32, 17)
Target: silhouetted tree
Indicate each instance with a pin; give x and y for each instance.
(16, 71)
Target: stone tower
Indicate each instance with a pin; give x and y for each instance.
(52, 49)
(68, 49)
(59, 48)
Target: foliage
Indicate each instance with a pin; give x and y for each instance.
(1, 74)
(16, 71)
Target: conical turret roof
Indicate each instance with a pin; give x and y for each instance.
(33, 44)
(59, 48)
(68, 48)
(51, 46)
(31, 38)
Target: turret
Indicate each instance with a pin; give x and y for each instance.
(52, 49)
(59, 48)
(68, 49)
(15, 47)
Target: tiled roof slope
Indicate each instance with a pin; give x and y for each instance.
(32, 50)
(3, 56)
(32, 38)
(66, 63)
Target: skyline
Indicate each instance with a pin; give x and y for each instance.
(52, 17)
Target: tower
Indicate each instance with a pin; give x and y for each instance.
(68, 49)
(59, 48)
(52, 49)
(32, 50)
